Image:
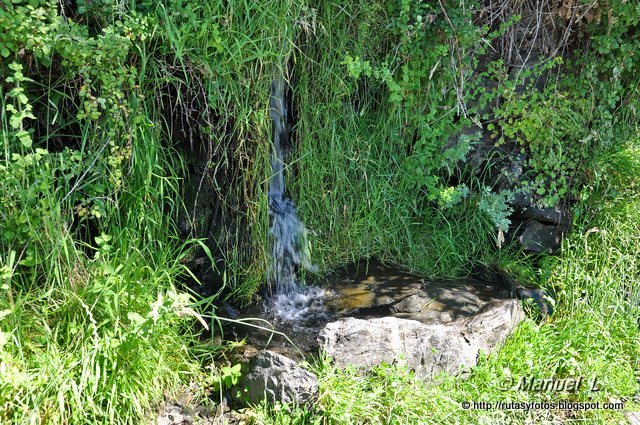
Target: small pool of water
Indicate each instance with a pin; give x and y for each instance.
(365, 290)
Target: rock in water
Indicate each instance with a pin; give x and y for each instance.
(425, 348)
(279, 379)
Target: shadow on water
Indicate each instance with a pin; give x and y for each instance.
(364, 290)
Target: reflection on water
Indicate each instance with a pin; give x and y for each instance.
(364, 290)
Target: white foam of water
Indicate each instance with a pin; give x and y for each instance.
(305, 304)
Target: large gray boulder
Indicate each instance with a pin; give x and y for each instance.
(278, 378)
(426, 348)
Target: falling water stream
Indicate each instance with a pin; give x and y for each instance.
(289, 236)
(295, 313)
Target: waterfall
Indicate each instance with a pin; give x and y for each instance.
(290, 243)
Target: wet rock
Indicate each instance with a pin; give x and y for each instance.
(174, 414)
(480, 157)
(538, 237)
(525, 209)
(461, 299)
(425, 348)
(439, 304)
(540, 296)
(556, 215)
(511, 168)
(415, 303)
(229, 311)
(279, 379)
(178, 414)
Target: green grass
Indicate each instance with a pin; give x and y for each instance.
(92, 327)
(351, 173)
(99, 350)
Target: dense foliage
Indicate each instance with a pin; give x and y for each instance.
(92, 326)
(397, 107)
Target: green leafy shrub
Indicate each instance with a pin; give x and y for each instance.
(92, 329)
(551, 130)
